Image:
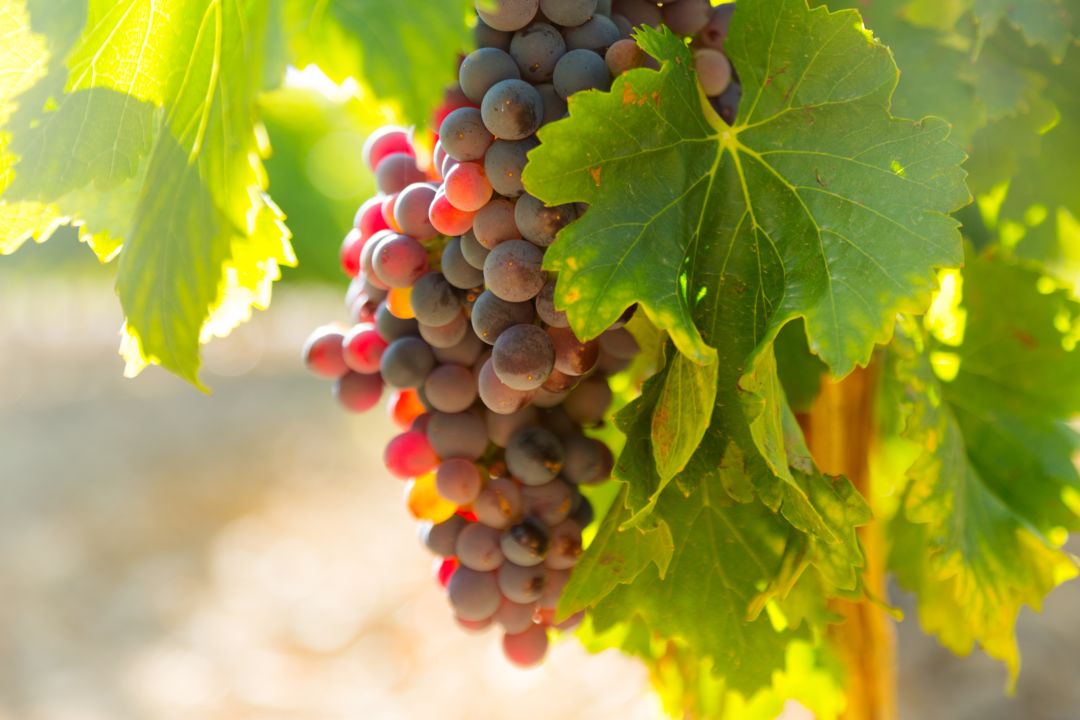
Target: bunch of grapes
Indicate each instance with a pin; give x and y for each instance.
(453, 311)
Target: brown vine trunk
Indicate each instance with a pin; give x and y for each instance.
(839, 429)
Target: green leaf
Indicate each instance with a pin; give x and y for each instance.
(682, 413)
(1048, 22)
(844, 206)
(987, 504)
(404, 50)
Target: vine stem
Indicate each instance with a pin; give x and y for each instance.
(840, 431)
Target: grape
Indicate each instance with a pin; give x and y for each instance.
(638, 12)
(558, 382)
(409, 455)
(448, 163)
(713, 69)
(363, 349)
(515, 617)
(406, 363)
(603, 7)
(358, 392)
(512, 110)
(503, 164)
(457, 270)
(581, 70)
(528, 648)
(367, 258)
(448, 335)
(399, 261)
(572, 356)
(434, 301)
(463, 135)
(467, 187)
(405, 407)
(626, 30)
(534, 456)
(396, 172)
(411, 211)
(385, 141)
(523, 357)
(536, 49)
(391, 327)
(687, 17)
(496, 395)
(565, 546)
(507, 15)
(521, 584)
(550, 503)
(423, 501)
(464, 353)
(474, 595)
(351, 247)
(624, 55)
(492, 315)
(584, 460)
(369, 219)
(473, 252)
(546, 399)
(503, 427)
(568, 13)
(620, 342)
(598, 34)
(495, 223)
(477, 547)
(486, 36)
(526, 543)
(583, 514)
(483, 68)
(589, 401)
(553, 588)
(446, 218)
(457, 435)
(545, 307)
(458, 480)
(727, 103)
(450, 388)
(715, 31)
(441, 538)
(554, 106)
(388, 212)
(539, 223)
(323, 353)
(498, 504)
(513, 271)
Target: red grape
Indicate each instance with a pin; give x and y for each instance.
(363, 348)
(323, 353)
(351, 248)
(527, 648)
(386, 141)
(447, 219)
(358, 392)
(467, 187)
(409, 455)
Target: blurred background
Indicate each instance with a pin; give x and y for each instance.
(164, 554)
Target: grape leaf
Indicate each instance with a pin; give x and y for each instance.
(986, 504)
(844, 205)
(1051, 23)
(404, 50)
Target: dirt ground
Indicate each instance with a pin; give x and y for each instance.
(168, 555)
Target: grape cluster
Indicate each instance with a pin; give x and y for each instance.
(492, 389)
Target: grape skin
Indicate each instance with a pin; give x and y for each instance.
(323, 353)
(514, 271)
(447, 335)
(450, 388)
(464, 136)
(406, 363)
(411, 211)
(457, 270)
(457, 435)
(687, 17)
(580, 70)
(572, 356)
(508, 15)
(399, 261)
(534, 456)
(477, 548)
(492, 315)
(528, 648)
(483, 68)
(536, 48)
(358, 392)
(598, 34)
(434, 300)
(526, 543)
(568, 13)
(474, 595)
(503, 164)
(589, 401)
(550, 502)
(495, 223)
(512, 110)
(503, 427)
(396, 172)
(467, 187)
(523, 357)
(441, 538)
(713, 69)
(539, 223)
(514, 617)
(473, 252)
(497, 396)
(499, 504)
(521, 584)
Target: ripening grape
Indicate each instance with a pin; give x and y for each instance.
(491, 315)
(351, 247)
(519, 583)
(411, 211)
(553, 588)
(495, 223)
(369, 219)
(385, 141)
(424, 502)
(621, 343)
(467, 187)
(450, 388)
(539, 223)
(502, 427)
(457, 435)
(554, 106)
(624, 55)
(545, 307)
(363, 348)
(559, 382)
(456, 268)
(499, 504)
(497, 396)
(523, 357)
(444, 568)
(367, 259)
(713, 69)
(477, 548)
(550, 503)
(448, 219)
(404, 407)
(486, 36)
(395, 172)
(589, 401)
(357, 392)
(406, 362)
(687, 17)
(507, 15)
(483, 68)
(391, 327)
(583, 460)
(324, 354)
(715, 31)
(458, 480)
(565, 546)
(474, 595)
(464, 353)
(583, 514)
(473, 252)
(568, 13)
(536, 48)
(464, 136)
(512, 110)
(503, 164)
(597, 35)
(572, 356)
(534, 456)
(638, 12)
(527, 648)
(448, 335)
(399, 261)
(514, 617)
(409, 455)
(434, 301)
(581, 70)
(513, 271)
(441, 538)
